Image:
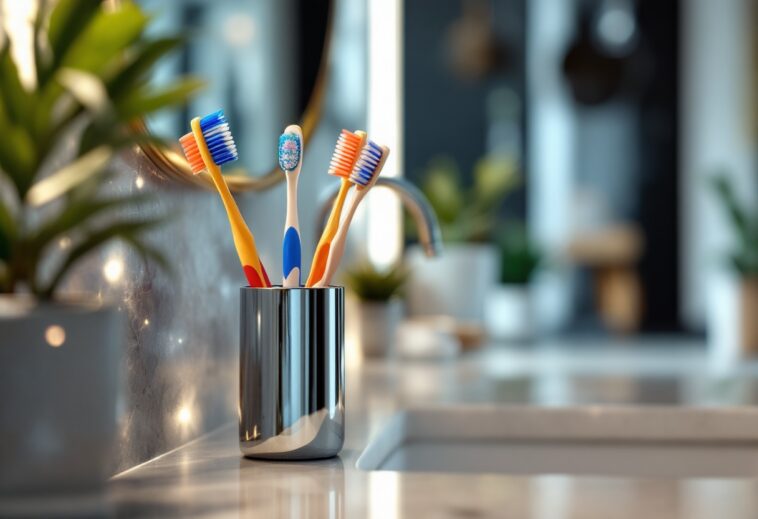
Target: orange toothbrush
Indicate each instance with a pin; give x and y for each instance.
(346, 153)
(209, 146)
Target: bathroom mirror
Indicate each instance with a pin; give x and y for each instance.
(265, 65)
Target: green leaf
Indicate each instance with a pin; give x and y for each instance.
(97, 47)
(443, 188)
(519, 256)
(370, 284)
(69, 176)
(17, 101)
(105, 39)
(127, 230)
(7, 232)
(739, 218)
(140, 103)
(68, 21)
(494, 177)
(42, 52)
(115, 135)
(79, 212)
(17, 154)
(86, 88)
(139, 65)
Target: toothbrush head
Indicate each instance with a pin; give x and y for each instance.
(218, 138)
(191, 151)
(369, 165)
(346, 152)
(290, 148)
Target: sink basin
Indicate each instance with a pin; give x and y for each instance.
(647, 441)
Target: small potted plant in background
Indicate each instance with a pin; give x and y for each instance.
(59, 352)
(508, 311)
(457, 282)
(380, 307)
(724, 327)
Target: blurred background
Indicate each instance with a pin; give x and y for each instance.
(592, 144)
(617, 116)
(592, 164)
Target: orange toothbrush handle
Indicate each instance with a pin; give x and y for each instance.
(244, 241)
(320, 257)
(319, 263)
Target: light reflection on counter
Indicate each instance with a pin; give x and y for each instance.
(292, 489)
(383, 499)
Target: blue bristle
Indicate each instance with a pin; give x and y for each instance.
(365, 167)
(289, 151)
(219, 138)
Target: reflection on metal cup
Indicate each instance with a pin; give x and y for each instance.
(291, 372)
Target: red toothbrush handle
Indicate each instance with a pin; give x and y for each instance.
(253, 279)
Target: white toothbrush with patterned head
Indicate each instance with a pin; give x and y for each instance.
(365, 173)
(291, 160)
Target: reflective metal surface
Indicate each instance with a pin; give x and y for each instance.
(414, 201)
(291, 372)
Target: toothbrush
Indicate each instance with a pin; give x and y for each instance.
(346, 153)
(208, 146)
(364, 175)
(291, 160)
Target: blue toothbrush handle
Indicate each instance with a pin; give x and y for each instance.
(291, 256)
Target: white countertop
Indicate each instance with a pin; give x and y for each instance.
(209, 477)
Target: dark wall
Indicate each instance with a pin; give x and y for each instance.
(659, 152)
(446, 114)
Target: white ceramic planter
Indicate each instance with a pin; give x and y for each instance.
(377, 326)
(508, 313)
(455, 283)
(59, 366)
(731, 318)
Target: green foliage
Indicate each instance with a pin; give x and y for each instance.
(370, 284)
(744, 220)
(519, 256)
(469, 214)
(92, 65)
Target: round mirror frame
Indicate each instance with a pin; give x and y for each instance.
(170, 163)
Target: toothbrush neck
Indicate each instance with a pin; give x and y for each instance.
(291, 219)
(359, 194)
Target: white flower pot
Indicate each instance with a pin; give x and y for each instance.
(59, 366)
(377, 326)
(508, 313)
(455, 283)
(731, 318)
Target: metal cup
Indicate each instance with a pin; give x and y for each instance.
(292, 372)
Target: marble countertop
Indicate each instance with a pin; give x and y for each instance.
(209, 477)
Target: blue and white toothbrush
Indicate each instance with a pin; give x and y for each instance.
(291, 160)
(364, 175)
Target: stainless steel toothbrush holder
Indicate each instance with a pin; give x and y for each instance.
(292, 372)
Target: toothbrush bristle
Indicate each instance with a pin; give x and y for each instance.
(191, 151)
(289, 151)
(345, 154)
(219, 138)
(367, 165)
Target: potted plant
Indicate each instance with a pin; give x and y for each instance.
(59, 353)
(380, 308)
(457, 282)
(743, 263)
(508, 311)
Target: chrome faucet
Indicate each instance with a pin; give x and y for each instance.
(413, 199)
